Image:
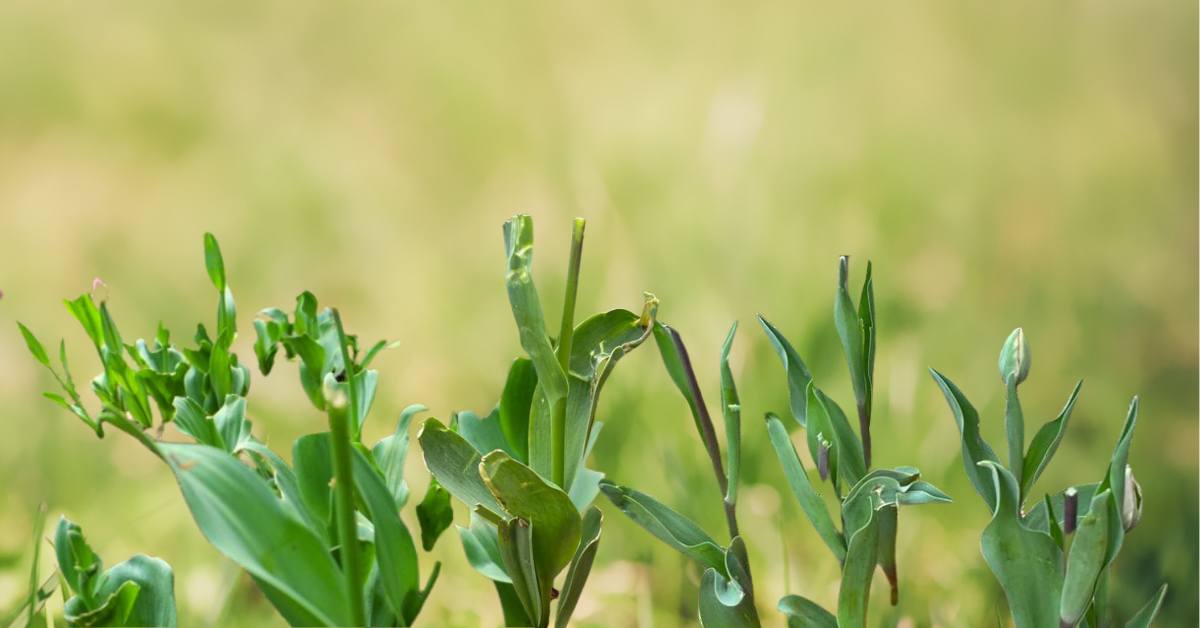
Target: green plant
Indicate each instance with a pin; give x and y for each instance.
(726, 596)
(1053, 559)
(137, 592)
(520, 469)
(871, 499)
(322, 538)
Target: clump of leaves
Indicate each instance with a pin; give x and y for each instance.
(869, 499)
(1052, 560)
(322, 537)
(137, 592)
(520, 469)
(726, 595)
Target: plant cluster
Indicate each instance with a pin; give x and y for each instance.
(322, 537)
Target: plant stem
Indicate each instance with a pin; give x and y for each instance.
(558, 419)
(707, 432)
(348, 371)
(341, 409)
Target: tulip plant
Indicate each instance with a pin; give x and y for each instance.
(322, 537)
(520, 469)
(1052, 559)
(726, 588)
(869, 499)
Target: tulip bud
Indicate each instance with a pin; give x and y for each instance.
(1070, 510)
(1131, 509)
(1014, 357)
(823, 460)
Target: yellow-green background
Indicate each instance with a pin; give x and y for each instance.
(1028, 163)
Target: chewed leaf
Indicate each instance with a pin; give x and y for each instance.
(455, 464)
(522, 493)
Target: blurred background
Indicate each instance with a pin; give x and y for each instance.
(1026, 164)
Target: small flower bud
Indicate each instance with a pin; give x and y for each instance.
(1070, 510)
(823, 460)
(1131, 509)
(1014, 357)
(99, 290)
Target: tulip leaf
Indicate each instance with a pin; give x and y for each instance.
(392, 450)
(810, 502)
(1045, 443)
(554, 522)
(727, 601)
(482, 547)
(581, 566)
(1085, 561)
(1027, 562)
(394, 549)
(244, 520)
(826, 421)
(974, 449)
(804, 613)
(516, 548)
(455, 464)
(667, 525)
(1145, 616)
(731, 407)
(798, 375)
(515, 404)
(850, 330)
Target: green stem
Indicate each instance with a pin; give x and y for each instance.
(342, 410)
(1014, 427)
(348, 369)
(343, 473)
(558, 418)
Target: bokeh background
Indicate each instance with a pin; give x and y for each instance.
(1026, 163)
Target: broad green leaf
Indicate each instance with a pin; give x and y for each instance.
(1027, 562)
(455, 464)
(1146, 615)
(850, 330)
(527, 309)
(1046, 442)
(517, 550)
(482, 548)
(727, 601)
(798, 376)
(515, 403)
(484, 433)
(391, 451)
(240, 516)
(581, 566)
(600, 342)
(155, 601)
(731, 406)
(1085, 561)
(394, 548)
(810, 501)
(434, 514)
(669, 526)
(974, 449)
(313, 462)
(289, 486)
(804, 613)
(554, 522)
